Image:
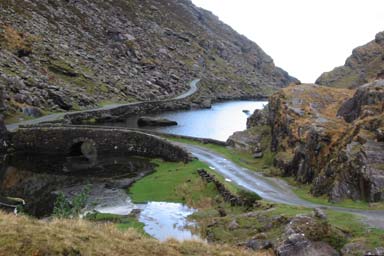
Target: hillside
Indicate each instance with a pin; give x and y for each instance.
(365, 65)
(67, 55)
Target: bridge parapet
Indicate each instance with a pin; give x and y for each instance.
(65, 140)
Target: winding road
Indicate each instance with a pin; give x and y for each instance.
(272, 189)
(53, 117)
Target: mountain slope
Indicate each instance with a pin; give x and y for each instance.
(61, 55)
(365, 65)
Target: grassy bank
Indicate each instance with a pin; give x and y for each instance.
(178, 182)
(21, 235)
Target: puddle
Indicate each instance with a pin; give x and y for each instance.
(168, 220)
(162, 220)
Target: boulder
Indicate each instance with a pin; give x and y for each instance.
(297, 245)
(153, 121)
(367, 101)
(319, 213)
(304, 235)
(60, 99)
(233, 225)
(258, 118)
(258, 245)
(32, 111)
(245, 141)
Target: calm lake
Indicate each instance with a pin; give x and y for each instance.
(219, 122)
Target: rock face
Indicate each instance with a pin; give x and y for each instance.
(365, 65)
(303, 237)
(3, 129)
(76, 54)
(368, 101)
(331, 138)
(254, 139)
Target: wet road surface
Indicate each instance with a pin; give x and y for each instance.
(272, 189)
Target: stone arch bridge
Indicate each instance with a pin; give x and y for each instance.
(92, 141)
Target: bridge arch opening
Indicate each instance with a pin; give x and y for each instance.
(75, 149)
(84, 148)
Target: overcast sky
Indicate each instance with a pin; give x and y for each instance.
(304, 37)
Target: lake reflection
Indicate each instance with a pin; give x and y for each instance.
(219, 122)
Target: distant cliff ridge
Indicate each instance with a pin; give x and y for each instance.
(365, 65)
(62, 55)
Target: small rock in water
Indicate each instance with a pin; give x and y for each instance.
(135, 213)
(152, 121)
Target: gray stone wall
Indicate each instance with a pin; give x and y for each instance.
(60, 140)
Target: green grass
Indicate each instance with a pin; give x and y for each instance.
(163, 184)
(303, 191)
(123, 223)
(349, 223)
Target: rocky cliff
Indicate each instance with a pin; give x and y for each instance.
(365, 65)
(63, 55)
(331, 138)
(3, 129)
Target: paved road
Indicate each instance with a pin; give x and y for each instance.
(271, 189)
(53, 117)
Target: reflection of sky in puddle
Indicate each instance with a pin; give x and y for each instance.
(162, 220)
(167, 220)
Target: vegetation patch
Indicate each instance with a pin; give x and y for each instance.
(123, 223)
(174, 182)
(303, 191)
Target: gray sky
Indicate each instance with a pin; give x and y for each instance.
(304, 37)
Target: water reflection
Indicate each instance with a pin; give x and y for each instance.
(36, 178)
(162, 220)
(219, 122)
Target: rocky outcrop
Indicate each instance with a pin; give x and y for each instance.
(340, 159)
(365, 65)
(367, 101)
(258, 118)
(3, 129)
(255, 139)
(284, 235)
(303, 236)
(152, 121)
(69, 55)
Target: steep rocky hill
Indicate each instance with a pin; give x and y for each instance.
(365, 65)
(331, 138)
(62, 55)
